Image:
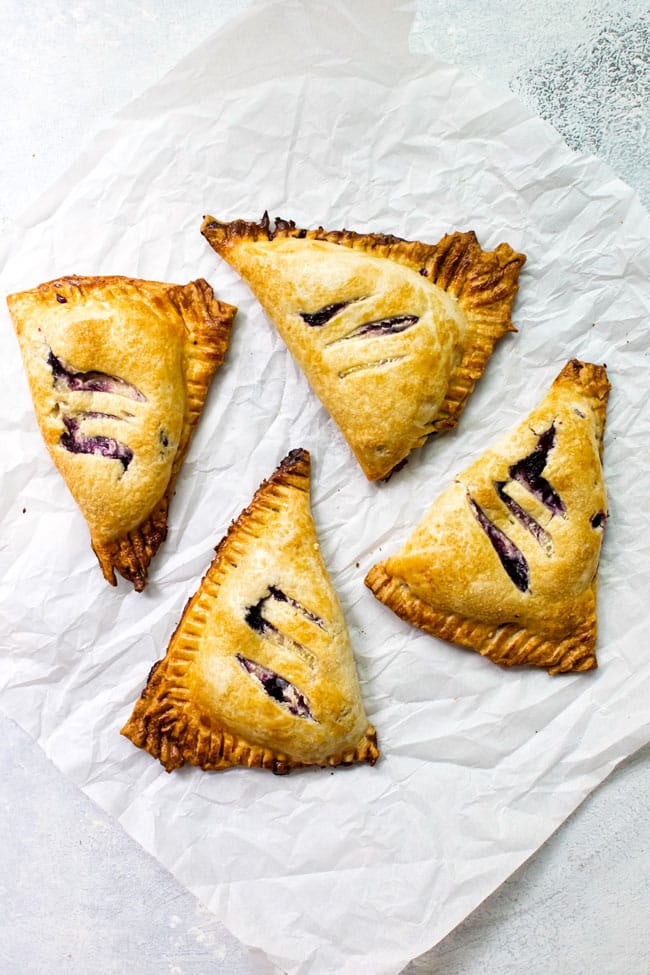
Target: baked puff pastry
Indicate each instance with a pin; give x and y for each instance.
(260, 670)
(506, 560)
(392, 335)
(119, 370)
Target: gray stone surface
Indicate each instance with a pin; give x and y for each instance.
(584, 66)
(78, 896)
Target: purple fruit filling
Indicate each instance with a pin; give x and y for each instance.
(323, 315)
(282, 597)
(529, 473)
(281, 690)
(93, 382)
(61, 300)
(385, 326)
(258, 622)
(255, 619)
(511, 558)
(599, 520)
(77, 443)
(522, 515)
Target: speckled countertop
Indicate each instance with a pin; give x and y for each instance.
(77, 895)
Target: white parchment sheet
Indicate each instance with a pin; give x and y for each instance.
(318, 112)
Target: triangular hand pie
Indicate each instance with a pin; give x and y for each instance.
(392, 335)
(260, 670)
(506, 560)
(119, 370)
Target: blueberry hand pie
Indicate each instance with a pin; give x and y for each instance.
(260, 670)
(119, 370)
(506, 560)
(392, 335)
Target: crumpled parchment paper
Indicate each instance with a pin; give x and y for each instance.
(318, 113)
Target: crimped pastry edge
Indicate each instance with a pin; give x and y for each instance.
(510, 644)
(483, 282)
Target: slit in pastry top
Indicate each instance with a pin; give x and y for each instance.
(529, 472)
(77, 442)
(73, 438)
(511, 557)
(93, 382)
(283, 691)
(261, 618)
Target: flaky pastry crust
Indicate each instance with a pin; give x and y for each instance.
(506, 560)
(260, 671)
(391, 334)
(119, 369)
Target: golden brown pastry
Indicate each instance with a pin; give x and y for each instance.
(119, 370)
(260, 670)
(506, 560)
(391, 334)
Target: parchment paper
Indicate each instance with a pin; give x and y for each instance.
(318, 112)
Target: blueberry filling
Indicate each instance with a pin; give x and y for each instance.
(385, 326)
(599, 520)
(77, 443)
(258, 622)
(529, 473)
(281, 690)
(323, 315)
(282, 597)
(511, 558)
(522, 516)
(93, 382)
(61, 300)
